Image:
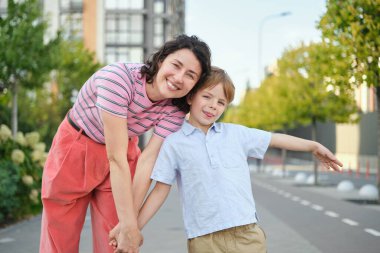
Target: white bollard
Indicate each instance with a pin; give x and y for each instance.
(310, 179)
(345, 186)
(369, 191)
(300, 178)
(277, 173)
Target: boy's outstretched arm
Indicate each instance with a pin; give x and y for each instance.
(153, 202)
(327, 159)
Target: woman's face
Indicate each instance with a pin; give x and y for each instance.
(176, 76)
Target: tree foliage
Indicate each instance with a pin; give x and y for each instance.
(28, 65)
(26, 59)
(354, 26)
(76, 66)
(316, 91)
(44, 108)
(304, 90)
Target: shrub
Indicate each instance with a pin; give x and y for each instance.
(21, 162)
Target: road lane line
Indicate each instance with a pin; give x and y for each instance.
(317, 207)
(350, 222)
(332, 214)
(372, 231)
(6, 240)
(305, 202)
(295, 198)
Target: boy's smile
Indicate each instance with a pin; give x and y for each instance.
(206, 106)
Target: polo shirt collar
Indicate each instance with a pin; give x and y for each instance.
(188, 129)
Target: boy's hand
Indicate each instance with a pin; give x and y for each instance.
(326, 158)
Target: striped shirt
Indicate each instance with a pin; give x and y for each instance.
(120, 90)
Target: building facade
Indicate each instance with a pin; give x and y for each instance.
(117, 30)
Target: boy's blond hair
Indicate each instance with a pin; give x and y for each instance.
(217, 76)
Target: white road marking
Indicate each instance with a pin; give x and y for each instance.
(317, 207)
(6, 240)
(332, 214)
(372, 231)
(295, 198)
(350, 222)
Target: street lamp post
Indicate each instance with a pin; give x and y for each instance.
(261, 25)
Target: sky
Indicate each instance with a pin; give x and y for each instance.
(231, 29)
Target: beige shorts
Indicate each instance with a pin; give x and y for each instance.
(243, 239)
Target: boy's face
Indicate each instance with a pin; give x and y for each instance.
(206, 106)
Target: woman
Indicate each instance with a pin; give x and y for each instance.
(87, 162)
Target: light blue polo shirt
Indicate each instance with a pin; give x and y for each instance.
(212, 174)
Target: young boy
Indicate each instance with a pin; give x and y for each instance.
(209, 162)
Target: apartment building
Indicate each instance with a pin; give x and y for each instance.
(117, 30)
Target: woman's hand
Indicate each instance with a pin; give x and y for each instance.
(132, 236)
(326, 158)
(129, 240)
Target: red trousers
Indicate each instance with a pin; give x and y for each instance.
(77, 174)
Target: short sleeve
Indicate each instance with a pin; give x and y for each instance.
(114, 85)
(256, 141)
(169, 124)
(166, 164)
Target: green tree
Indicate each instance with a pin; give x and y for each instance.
(25, 57)
(304, 91)
(354, 26)
(316, 95)
(44, 108)
(75, 68)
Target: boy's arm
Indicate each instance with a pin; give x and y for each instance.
(151, 205)
(145, 164)
(284, 141)
(154, 201)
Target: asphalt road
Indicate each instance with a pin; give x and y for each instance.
(296, 219)
(320, 215)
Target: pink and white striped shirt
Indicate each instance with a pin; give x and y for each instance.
(120, 90)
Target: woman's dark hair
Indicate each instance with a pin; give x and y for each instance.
(199, 48)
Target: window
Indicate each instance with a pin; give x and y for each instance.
(159, 6)
(124, 4)
(72, 25)
(3, 8)
(124, 54)
(3, 4)
(124, 29)
(158, 38)
(71, 5)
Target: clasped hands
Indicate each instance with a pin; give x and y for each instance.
(125, 240)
